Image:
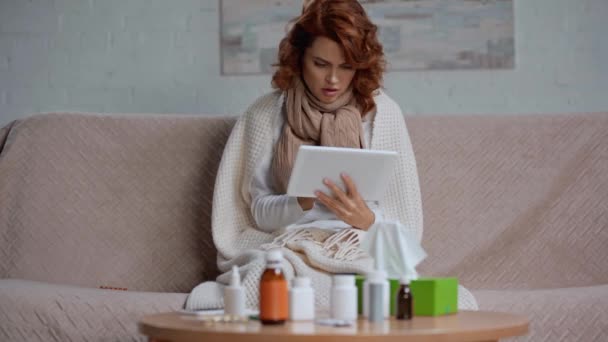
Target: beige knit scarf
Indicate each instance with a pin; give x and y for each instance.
(311, 122)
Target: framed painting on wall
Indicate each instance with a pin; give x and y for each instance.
(415, 34)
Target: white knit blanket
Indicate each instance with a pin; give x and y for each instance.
(238, 241)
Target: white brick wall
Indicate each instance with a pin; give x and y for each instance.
(162, 56)
(33, 16)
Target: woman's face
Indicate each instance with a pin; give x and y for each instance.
(324, 70)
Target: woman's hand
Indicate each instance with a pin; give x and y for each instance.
(349, 206)
(306, 203)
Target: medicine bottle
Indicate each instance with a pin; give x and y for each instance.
(343, 298)
(378, 291)
(234, 295)
(274, 300)
(301, 300)
(404, 299)
(380, 277)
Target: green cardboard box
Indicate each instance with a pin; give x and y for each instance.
(434, 296)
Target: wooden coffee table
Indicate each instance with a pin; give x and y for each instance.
(464, 326)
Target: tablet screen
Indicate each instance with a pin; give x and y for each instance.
(371, 170)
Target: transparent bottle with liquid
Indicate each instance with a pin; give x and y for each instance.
(274, 295)
(377, 297)
(378, 276)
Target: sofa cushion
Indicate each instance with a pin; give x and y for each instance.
(518, 202)
(34, 311)
(110, 200)
(564, 314)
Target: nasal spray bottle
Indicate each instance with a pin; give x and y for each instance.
(234, 295)
(376, 293)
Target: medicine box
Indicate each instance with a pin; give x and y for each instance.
(434, 296)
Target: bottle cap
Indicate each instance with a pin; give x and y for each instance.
(235, 277)
(376, 276)
(301, 282)
(274, 255)
(344, 280)
(404, 280)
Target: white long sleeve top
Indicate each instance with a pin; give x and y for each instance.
(273, 211)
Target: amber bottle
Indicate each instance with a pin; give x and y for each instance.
(404, 300)
(274, 297)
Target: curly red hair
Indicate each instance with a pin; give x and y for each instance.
(346, 23)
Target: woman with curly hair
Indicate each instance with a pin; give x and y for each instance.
(330, 67)
(328, 93)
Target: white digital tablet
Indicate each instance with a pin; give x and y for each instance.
(370, 170)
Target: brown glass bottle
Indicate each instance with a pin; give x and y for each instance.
(274, 297)
(404, 300)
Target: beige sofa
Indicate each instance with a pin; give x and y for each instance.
(515, 207)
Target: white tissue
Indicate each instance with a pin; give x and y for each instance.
(399, 252)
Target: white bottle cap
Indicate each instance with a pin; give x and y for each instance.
(301, 282)
(404, 280)
(235, 277)
(274, 255)
(344, 280)
(376, 276)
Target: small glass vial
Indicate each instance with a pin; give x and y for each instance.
(301, 300)
(404, 299)
(274, 299)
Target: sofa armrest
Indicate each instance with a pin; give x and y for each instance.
(4, 133)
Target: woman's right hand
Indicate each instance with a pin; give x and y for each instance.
(306, 203)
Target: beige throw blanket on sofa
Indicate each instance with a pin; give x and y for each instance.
(238, 241)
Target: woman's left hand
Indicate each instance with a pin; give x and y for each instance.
(349, 206)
